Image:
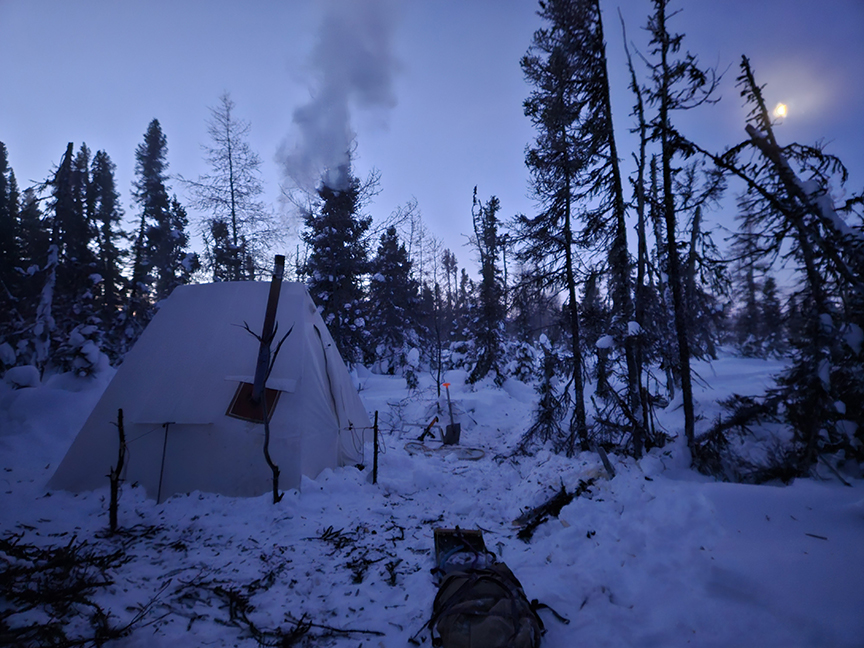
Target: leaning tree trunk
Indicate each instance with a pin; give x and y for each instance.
(579, 418)
(639, 296)
(672, 245)
(619, 258)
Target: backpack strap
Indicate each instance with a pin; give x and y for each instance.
(439, 610)
(537, 605)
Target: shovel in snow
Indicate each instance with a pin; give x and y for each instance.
(453, 430)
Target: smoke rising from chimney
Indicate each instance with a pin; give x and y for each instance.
(353, 66)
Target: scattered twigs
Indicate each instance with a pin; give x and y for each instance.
(47, 594)
(341, 631)
(129, 535)
(391, 571)
(360, 554)
(360, 565)
(66, 595)
(236, 600)
(336, 537)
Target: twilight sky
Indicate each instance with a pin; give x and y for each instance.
(431, 88)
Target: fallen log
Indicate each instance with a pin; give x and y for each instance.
(533, 518)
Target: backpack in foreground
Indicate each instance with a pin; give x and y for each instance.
(480, 603)
(484, 608)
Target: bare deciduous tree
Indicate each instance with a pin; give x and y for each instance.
(238, 228)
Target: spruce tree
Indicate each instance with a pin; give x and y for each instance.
(222, 256)
(597, 317)
(535, 311)
(169, 243)
(451, 282)
(431, 326)
(677, 83)
(337, 260)
(161, 260)
(11, 278)
(107, 216)
(62, 216)
(748, 267)
(705, 274)
(33, 241)
(601, 192)
(394, 302)
(151, 195)
(9, 235)
(791, 209)
(552, 404)
(749, 319)
(823, 389)
(70, 230)
(66, 333)
(555, 160)
(488, 322)
(771, 330)
(465, 296)
(81, 193)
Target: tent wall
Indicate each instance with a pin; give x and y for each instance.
(184, 371)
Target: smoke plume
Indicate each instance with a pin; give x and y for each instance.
(353, 67)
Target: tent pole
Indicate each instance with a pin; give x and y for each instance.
(162, 467)
(375, 455)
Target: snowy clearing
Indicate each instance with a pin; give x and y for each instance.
(657, 556)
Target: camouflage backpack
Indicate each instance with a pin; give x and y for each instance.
(484, 608)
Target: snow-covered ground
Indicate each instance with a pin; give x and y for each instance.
(657, 556)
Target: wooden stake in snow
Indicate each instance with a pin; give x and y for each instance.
(115, 473)
(375, 456)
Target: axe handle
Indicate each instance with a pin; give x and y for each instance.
(428, 430)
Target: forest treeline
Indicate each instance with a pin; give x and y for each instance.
(602, 298)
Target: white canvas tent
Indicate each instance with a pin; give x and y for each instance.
(176, 386)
